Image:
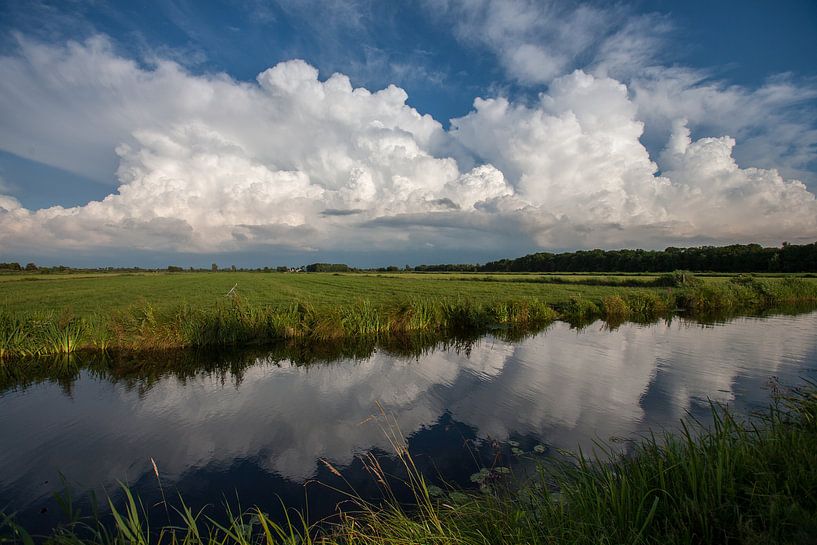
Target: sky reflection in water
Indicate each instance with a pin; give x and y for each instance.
(264, 435)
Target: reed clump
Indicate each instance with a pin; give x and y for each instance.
(615, 309)
(522, 313)
(646, 306)
(40, 334)
(745, 292)
(578, 310)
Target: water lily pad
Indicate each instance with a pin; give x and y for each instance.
(480, 476)
(458, 497)
(435, 491)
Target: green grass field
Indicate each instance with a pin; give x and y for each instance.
(49, 314)
(86, 294)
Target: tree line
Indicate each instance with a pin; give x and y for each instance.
(735, 258)
(732, 258)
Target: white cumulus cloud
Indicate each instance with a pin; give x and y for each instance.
(207, 163)
(536, 42)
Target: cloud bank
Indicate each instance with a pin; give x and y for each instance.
(205, 163)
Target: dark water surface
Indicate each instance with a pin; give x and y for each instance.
(261, 430)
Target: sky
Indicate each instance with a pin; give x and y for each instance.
(263, 133)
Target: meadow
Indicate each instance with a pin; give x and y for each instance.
(47, 314)
(87, 294)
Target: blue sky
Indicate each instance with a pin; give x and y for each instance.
(87, 109)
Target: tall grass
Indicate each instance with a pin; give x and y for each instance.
(735, 481)
(745, 292)
(41, 333)
(236, 323)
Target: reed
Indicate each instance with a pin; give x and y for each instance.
(41, 334)
(414, 315)
(578, 310)
(13, 337)
(647, 306)
(615, 309)
(64, 338)
(745, 292)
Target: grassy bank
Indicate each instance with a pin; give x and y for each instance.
(141, 369)
(733, 482)
(336, 307)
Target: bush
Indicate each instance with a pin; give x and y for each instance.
(677, 279)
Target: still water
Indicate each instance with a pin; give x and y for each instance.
(262, 430)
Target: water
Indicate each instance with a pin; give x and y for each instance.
(263, 428)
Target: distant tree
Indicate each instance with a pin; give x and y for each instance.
(31, 267)
(232, 268)
(327, 267)
(282, 268)
(174, 268)
(447, 267)
(214, 267)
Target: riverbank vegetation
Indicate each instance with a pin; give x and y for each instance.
(63, 315)
(141, 369)
(734, 481)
